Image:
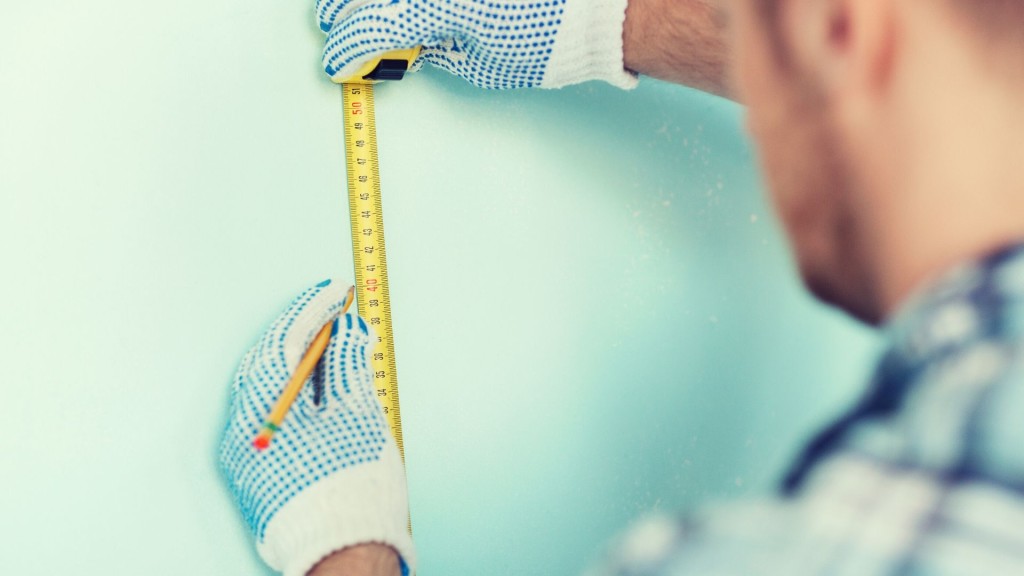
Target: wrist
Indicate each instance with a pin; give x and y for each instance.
(362, 504)
(681, 41)
(360, 560)
(589, 45)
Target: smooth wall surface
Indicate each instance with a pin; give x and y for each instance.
(594, 310)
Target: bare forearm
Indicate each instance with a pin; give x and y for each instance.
(682, 41)
(362, 560)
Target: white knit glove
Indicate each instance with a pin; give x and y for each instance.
(490, 43)
(332, 477)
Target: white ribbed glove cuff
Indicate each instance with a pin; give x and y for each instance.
(589, 45)
(367, 503)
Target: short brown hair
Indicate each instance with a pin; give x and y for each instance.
(995, 22)
(1002, 17)
(999, 19)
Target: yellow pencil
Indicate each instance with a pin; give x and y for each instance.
(294, 386)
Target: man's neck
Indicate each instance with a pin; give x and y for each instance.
(950, 184)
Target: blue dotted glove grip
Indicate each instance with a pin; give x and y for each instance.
(335, 431)
(492, 44)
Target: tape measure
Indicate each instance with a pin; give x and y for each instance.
(366, 214)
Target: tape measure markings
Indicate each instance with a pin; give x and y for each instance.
(366, 215)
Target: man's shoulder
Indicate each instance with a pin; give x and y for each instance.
(961, 418)
(994, 435)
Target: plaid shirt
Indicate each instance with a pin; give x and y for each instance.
(924, 477)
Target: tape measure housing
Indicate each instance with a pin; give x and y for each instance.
(390, 66)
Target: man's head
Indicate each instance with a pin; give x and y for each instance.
(875, 121)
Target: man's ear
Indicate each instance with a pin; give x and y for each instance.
(839, 45)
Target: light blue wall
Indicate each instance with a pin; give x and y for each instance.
(594, 310)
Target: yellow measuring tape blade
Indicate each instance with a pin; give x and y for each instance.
(370, 256)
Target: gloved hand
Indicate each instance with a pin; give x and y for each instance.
(490, 43)
(332, 477)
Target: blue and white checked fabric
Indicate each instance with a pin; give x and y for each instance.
(332, 476)
(490, 43)
(924, 477)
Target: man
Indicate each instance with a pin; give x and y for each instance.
(892, 136)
